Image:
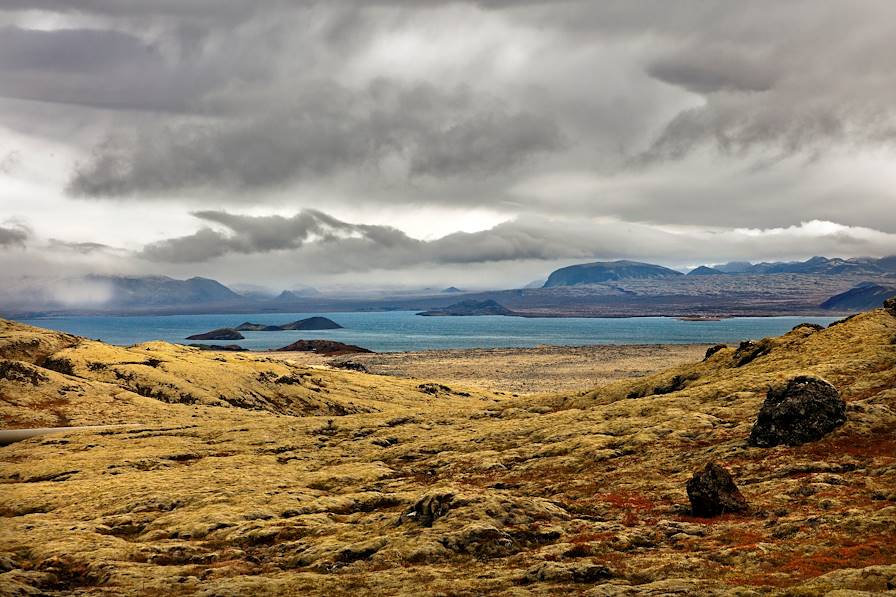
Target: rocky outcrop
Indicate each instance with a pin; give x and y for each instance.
(224, 347)
(428, 509)
(749, 351)
(712, 492)
(714, 349)
(804, 410)
(890, 306)
(566, 572)
(328, 348)
(219, 334)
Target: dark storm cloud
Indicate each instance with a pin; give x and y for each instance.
(440, 133)
(13, 235)
(256, 234)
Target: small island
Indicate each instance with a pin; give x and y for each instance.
(310, 323)
(470, 307)
(219, 334)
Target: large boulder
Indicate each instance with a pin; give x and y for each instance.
(804, 410)
(712, 492)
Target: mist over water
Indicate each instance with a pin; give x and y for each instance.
(397, 331)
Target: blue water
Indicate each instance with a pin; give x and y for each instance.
(403, 331)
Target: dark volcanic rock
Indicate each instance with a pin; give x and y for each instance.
(714, 349)
(804, 410)
(749, 351)
(471, 307)
(325, 347)
(890, 306)
(225, 347)
(428, 509)
(350, 366)
(712, 492)
(566, 572)
(219, 334)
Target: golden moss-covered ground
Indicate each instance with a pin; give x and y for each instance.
(250, 475)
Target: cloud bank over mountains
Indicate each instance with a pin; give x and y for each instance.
(295, 131)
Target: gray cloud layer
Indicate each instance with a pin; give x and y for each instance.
(621, 120)
(13, 235)
(325, 244)
(437, 133)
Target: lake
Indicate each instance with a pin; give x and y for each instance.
(397, 331)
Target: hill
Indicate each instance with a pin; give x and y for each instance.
(860, 298)
(705, 271)
(469, 307)
(606, 271)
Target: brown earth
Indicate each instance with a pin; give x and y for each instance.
(253, 475)
(522, 370)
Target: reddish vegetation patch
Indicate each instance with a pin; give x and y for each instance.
(591, 537)
(882, 444)
(875, 550)
(627, 500)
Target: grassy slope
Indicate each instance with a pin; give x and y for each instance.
(251, 475)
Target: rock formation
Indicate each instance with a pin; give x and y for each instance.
(805, 409)
(328, 348)
(712, 492)
(890, 306)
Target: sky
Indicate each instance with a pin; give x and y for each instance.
(347, 144)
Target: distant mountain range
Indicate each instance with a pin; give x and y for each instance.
(599, 289)
(602, 272)
(128, 291)
(815, 265)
